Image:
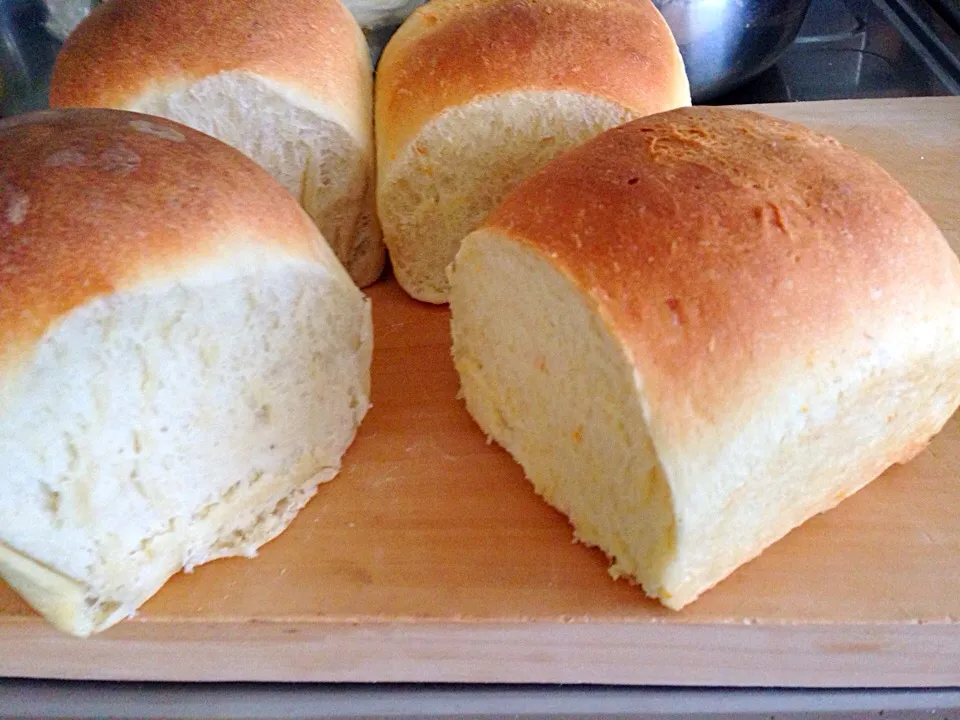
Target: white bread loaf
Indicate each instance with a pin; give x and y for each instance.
(473, 96)
(287, 82)
(702, 328)
(182, 359)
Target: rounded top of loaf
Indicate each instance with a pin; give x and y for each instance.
(728, 250)
(449, 52)
(94, 202)
(125, 50)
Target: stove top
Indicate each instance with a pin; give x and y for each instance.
(864, 49)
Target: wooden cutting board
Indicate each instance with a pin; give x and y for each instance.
(430, 558)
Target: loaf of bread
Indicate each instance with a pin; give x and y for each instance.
(182, 359)
(473, 96)
(287, 82)
(700, 329)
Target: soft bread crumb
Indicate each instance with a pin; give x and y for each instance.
(510, 307)
(145, 458)
(463, 163)
(313, 156)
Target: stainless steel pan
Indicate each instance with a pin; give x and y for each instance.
(724, 43)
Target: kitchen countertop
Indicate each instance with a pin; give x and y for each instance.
(43, 699)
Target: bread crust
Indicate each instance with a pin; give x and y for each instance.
(451, 51)
(313, 46)
(79, 193)
(783, 314)
(727, 250)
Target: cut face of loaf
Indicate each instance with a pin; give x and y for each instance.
(699, 330)
(464, 163)
(182, 359)
(544, 378)
(311, 154)
(158, 430)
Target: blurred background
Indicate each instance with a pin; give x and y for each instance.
(736, 51)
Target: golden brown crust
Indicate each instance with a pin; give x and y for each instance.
(125, 48)
(725, 247)
(94, 201)
(450, 51)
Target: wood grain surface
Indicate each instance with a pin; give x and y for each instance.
(431, 559)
